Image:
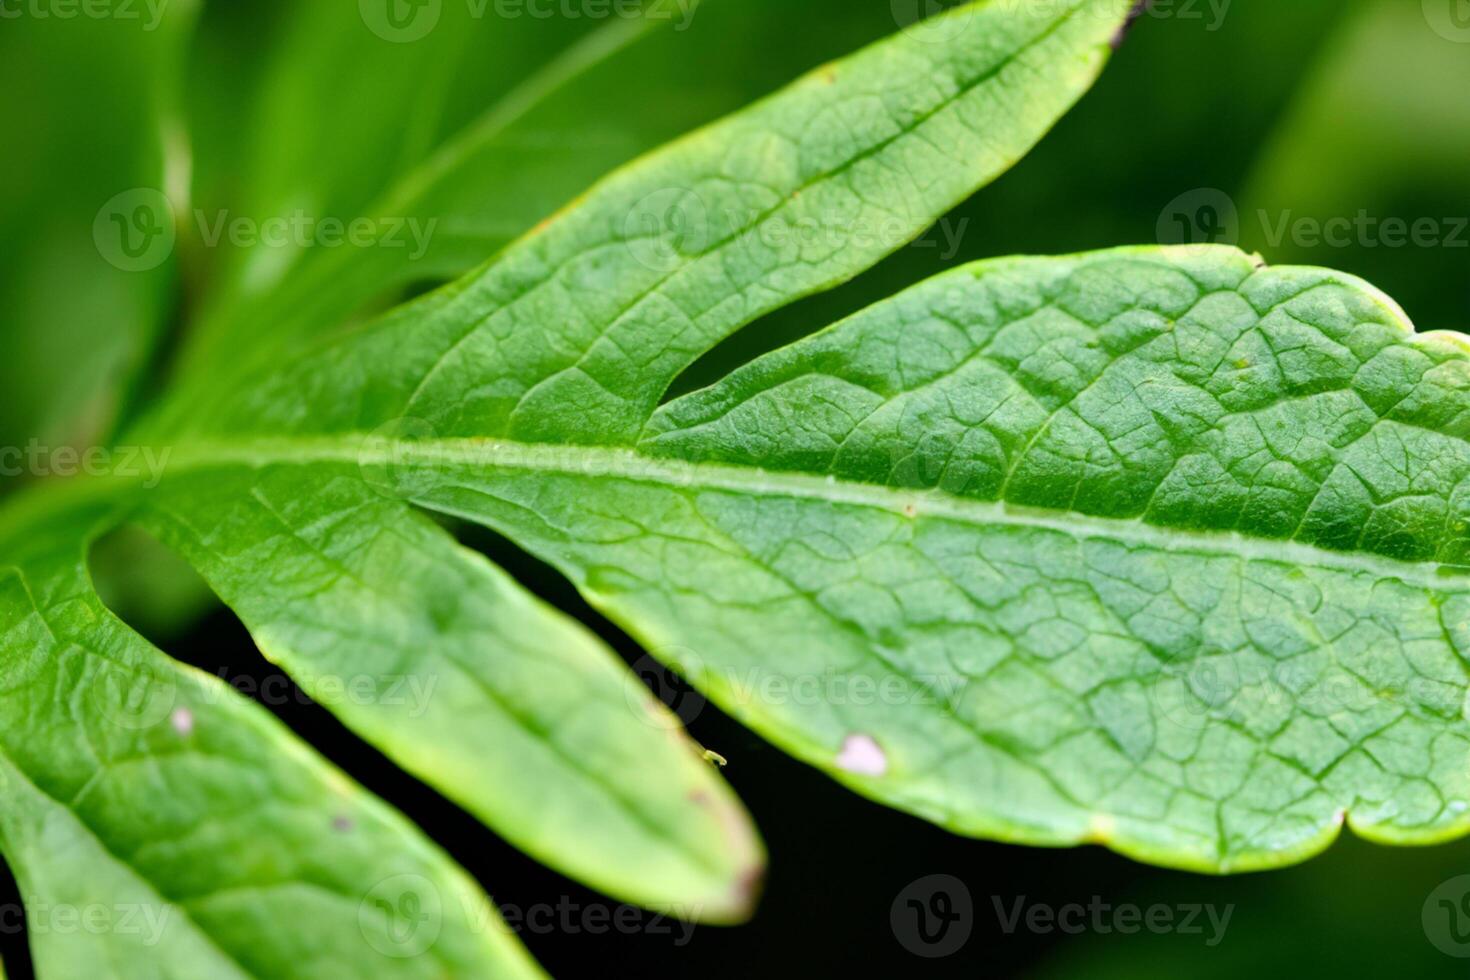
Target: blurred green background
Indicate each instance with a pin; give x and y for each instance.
(1259, 122)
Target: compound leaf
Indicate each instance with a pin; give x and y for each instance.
(1153, 547)
(195, 801)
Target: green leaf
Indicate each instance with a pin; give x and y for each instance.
(1155, 548)
(593, 104)
(667, 257)
(535, 727)
(1187, 527)
(567, 107)
(516, 712)
(218, 844)
(1052, 205)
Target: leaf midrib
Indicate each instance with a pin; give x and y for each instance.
(911, 504)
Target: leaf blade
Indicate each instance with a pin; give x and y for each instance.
(131, 771)
(1211, 677)
(433, 654)
(604, 369)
